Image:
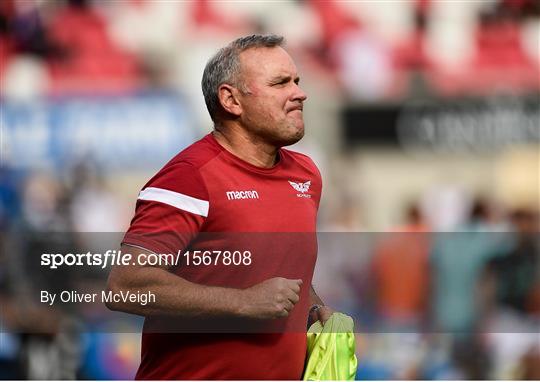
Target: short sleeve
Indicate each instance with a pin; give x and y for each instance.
(319, 181)
(170, 210)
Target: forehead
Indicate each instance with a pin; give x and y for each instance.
(267, 62)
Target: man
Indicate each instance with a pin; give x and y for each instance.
(237, 179)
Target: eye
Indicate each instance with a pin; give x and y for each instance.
(281, 82)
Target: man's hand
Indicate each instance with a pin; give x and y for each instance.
(322, 313)
(272, 298)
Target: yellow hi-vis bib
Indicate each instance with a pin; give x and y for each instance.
(331, 350)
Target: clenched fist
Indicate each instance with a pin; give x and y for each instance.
(272, 298)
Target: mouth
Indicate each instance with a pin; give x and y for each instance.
(297, 108)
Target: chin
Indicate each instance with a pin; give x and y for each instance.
(284, 135)
(294, 136)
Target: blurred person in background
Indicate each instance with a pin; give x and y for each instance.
(511, 301)
(457, 261)
(45, 347)
(236, 179)
(401, 273)
(398, 277)
(515, 276)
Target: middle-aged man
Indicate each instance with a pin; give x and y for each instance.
(238, 179)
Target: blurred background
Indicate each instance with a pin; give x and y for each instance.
(423, 116)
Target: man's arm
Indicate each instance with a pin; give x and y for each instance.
(272, 298)
(318, 311)
(314, 299)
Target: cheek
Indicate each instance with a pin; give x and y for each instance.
(267, 107)
(270, 110)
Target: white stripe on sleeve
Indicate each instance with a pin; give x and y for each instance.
(176, 199)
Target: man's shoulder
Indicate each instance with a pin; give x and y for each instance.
(182, 172)
(302, 160)
(195, 155)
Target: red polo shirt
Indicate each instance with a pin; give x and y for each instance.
(208, 199)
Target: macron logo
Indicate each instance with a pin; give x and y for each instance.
(233, 195)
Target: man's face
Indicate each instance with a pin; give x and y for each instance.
(272, 101)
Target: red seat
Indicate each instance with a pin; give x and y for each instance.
(93, 61)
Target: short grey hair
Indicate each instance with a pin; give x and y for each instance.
(224, 67)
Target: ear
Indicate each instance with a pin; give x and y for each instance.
(228, 98)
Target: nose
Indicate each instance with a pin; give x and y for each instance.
(299, 94)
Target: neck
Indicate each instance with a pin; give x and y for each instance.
(246, 146)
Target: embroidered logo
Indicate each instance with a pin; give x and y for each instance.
(303, 188)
